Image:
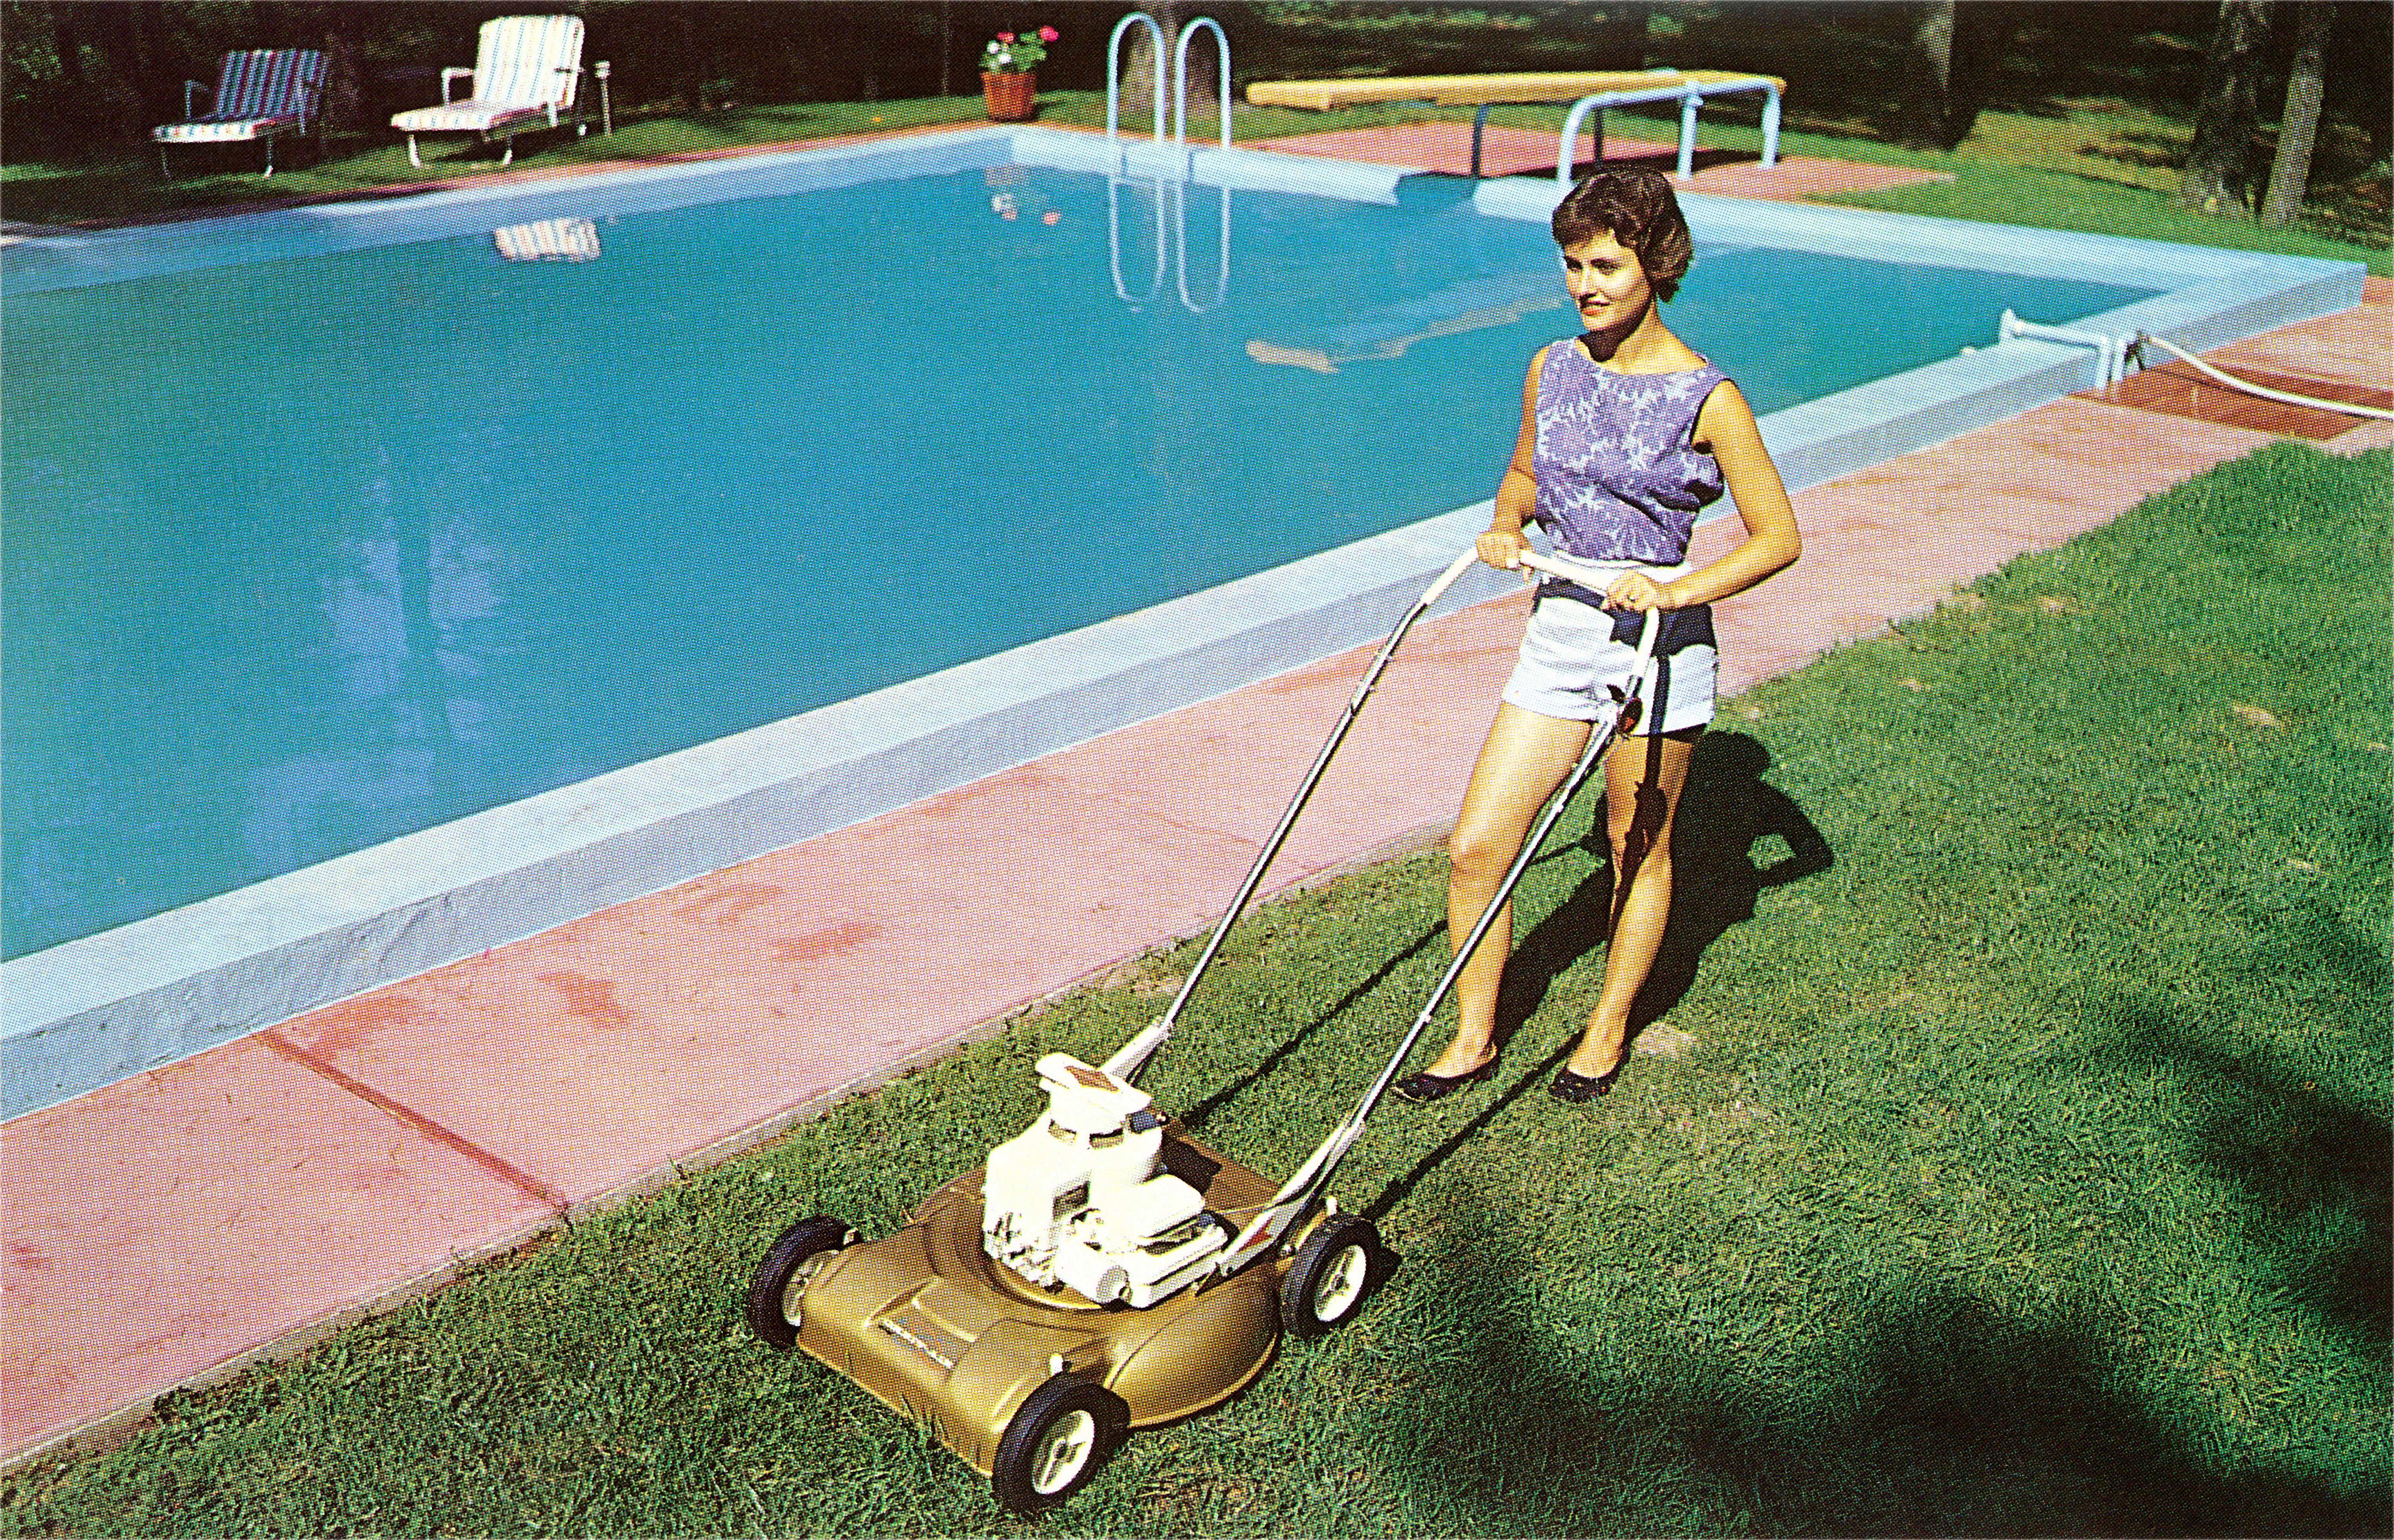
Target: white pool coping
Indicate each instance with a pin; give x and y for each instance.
(88, 1012)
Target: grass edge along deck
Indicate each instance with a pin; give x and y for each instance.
(89, 1012)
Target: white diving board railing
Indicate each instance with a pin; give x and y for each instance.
(1690, 94)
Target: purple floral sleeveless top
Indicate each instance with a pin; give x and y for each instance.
(1619, 479)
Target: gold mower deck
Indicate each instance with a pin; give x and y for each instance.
(1035, 1387)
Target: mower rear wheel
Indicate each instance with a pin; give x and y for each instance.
(1063, 1431)
(777, 1289)
(1339, 1264)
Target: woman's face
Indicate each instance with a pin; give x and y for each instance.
(1608, 283)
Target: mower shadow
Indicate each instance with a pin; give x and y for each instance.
(1195, 1116)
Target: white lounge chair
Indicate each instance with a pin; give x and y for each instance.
(526, 69)
(260, 93)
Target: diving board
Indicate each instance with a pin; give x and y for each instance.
(1589, 91)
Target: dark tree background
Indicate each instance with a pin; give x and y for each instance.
(87, 78)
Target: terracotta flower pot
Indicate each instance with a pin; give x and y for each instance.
(1008, 95)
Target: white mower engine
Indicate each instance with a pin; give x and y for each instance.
(1075, 1200)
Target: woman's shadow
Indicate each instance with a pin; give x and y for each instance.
(1725, 809)
(1726, 812)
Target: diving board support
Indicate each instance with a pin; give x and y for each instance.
(1690, 94)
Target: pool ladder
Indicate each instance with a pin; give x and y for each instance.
(1170, 194)
(1188, 32)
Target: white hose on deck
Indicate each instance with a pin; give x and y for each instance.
(2230, 380)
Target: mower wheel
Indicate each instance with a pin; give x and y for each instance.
(778, 1287)
(1063, 1431)
(1339, 1263)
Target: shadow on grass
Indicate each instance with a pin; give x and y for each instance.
(2316, 1170)
(1195, 1116)
(1726, 812)
(1932, 1412)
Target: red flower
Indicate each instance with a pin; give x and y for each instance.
(1005, 37)
(1048, 35)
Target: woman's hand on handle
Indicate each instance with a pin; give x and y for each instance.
(1637, 591)
(1503, 549)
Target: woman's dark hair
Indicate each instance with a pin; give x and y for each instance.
(1638, 209)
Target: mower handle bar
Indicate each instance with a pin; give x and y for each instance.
(1298, 1194)
(1132, 1057)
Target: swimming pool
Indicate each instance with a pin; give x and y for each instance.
(488, 591)
(363, 542)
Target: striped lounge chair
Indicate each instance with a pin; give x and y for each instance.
(260, 93)
(524, 75)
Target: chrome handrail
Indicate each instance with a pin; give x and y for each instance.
(1180, 238)
(1178, 253)
(1180, 79)
(1114, 243)
(1113, 73)
(1179, 82)
(1689, 95)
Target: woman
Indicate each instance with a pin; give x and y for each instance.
(1627, 435)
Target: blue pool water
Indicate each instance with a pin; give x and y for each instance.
(305, 554)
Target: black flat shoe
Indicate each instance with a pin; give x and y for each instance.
(1427, 1088)
(1582, 1087)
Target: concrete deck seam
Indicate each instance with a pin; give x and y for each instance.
(522, 1181)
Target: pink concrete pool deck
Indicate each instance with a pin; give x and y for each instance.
(174, 1228)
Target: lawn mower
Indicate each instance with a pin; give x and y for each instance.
(1102, 1270)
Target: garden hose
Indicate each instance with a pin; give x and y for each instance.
(2230, 380)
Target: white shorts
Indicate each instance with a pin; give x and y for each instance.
(1571, 660)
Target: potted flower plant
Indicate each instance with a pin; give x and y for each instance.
(1010, 73)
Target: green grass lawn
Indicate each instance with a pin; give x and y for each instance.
(2008, 1153)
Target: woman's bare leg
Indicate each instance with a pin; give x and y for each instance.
(1643, 778)
(1525, 759)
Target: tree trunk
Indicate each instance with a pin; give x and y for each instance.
(947, 45)
(1982, 28)
(687, 64)
(2299, 130)
(2218, 176)
(119, 33)
(1146, 71)
(69, 43)
(1929, 105)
